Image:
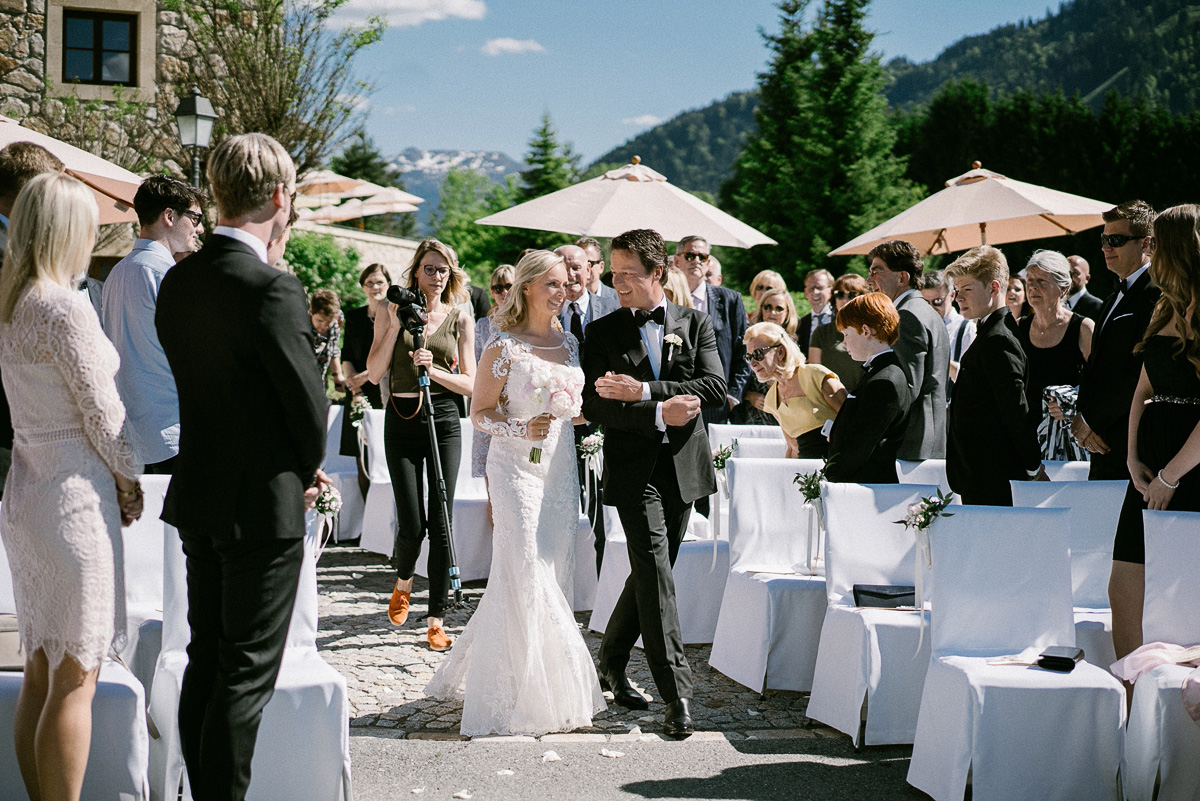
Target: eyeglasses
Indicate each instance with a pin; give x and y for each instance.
(763, 287)
(937, 302)
(434, 271)
(700, 257)
(1117, 240)
(194, 216)
(770, 309)
(840, 294)
(596, 263)
(758, 354)
(498, 288)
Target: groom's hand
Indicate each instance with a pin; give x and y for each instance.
(680, 409)
(625, 388)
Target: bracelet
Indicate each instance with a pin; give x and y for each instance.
(133, 493)
(1163, 481)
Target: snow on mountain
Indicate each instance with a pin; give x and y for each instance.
(424, 170)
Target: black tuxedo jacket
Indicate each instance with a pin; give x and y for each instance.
(1089, 306)
(870, 427)
(1111, 373)
(992, 439)
(631, 440)
(252, 408)
(924, 353)
(729, 324)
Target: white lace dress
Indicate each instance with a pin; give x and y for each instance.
(59, 521)
(521, 665)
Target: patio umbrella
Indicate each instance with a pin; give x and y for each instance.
(357, 208)
(386, 194)
(982, 207)
(325, 182)
(633, 196)
(112, 186)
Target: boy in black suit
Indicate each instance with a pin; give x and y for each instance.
(991, 439)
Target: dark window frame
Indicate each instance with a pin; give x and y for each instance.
(98, 19)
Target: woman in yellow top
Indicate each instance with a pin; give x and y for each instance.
(803, 397)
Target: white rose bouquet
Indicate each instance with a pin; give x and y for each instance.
(558, 393)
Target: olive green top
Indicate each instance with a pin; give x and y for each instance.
(443, 344)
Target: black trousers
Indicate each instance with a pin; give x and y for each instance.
(240, 599)
(594, 508)
(654, 528)
(406, 446)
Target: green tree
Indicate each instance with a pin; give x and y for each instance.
(552, 165)
(468, 195)
(361, 159)
(820, 168)
(320, 263)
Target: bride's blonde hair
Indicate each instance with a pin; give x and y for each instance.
(50, 237)
(530, 268)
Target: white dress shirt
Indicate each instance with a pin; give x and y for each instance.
(652, 339)
(700, 297)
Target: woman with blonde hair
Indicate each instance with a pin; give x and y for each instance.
(765, 281)
(676, 287)
(776, 306)
(802, 397)
(73, 482)
(449, 356)
(521, 666)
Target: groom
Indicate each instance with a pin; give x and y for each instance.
(650, 368)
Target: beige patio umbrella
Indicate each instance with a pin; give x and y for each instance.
(112, 186)
(357, 208)
(325, 182)
(633, 196)
(982, 207)
(382, 194)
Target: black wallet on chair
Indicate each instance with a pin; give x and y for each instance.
(885, 596)
(1060, 657)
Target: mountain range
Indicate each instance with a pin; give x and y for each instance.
(424, 170)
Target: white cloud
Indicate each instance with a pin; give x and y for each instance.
(410, 13)
(497, 47)
(355, 101)
(644, 120)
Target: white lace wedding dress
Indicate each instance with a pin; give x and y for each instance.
(521, 665)
(59, 521)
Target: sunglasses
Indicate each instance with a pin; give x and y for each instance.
(194, 216)
(498, 288)
(840, 294)
(700, 257)
(758, 354)
(763, 287)
(432, 271)
(596, 263)
(938, 302)
(770, 309)
(1117, 240)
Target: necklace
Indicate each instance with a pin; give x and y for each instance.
(1043, 331)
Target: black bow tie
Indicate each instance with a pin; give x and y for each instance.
(659, 315)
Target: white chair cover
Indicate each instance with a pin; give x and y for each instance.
(721, 436)
(770, 622)
(343, 471)
(1067, 471)
(1095, 507)
(143, 555)
(1002, 584)
(1162, 744)
(761, 448)
(872, 659)
(472, 529)
(930, 471)
(379, 512)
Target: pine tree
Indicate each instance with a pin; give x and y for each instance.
(362, 160)
(820, 169)
(552, 166)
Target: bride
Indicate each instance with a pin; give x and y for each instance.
(521, 665)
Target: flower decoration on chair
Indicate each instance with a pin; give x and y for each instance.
(919, 518)
(810, 487)
(327, 505)
(723, 455)
(557, 393)
(359, 406)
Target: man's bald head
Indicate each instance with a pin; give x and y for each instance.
(1081, 273)
(576, 261)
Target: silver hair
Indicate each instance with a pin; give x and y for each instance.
(1055, 265)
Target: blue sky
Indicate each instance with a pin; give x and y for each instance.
(478, 74)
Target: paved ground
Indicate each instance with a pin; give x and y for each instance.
(746, 746)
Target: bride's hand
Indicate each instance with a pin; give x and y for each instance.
(538, 428)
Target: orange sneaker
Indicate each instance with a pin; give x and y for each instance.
(398, 607)
(438, 639)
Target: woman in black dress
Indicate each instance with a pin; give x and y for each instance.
(1164, 420)
(1057, 343)
(356, 344)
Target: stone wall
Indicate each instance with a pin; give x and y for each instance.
(22, 56)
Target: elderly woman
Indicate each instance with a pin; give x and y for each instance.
(1057, 343)
(802, 397)
(828, 346)
(870, 427)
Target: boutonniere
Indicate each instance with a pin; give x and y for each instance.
(674, 341)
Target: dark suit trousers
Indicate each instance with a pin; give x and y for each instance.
(1114, 465)
(240, 598)
(654, 528)
(592, 507)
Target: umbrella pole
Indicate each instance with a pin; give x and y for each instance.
(983, 233)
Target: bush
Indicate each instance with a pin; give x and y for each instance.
(320, 263)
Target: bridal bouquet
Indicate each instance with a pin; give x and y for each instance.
(558, 393)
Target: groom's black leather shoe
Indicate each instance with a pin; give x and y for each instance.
(622, 690)
(677, 722)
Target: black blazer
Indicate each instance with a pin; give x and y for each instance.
(924, 353)
(1111, 373)
(1089, 306)
(992, 439)
(631, 440)
(729, 323)
(869, 429)
(252, 409)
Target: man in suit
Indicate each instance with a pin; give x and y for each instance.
(818, 290)
(728, 314)
(170, 213)
(938, 292)
(1080, 300)
(649, 369)
(595, 260)
(581, 308)
(923, 347)
(712, 273)
(991, 438)
(252, 416)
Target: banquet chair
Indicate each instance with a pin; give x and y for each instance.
(1162, 744)
(303, 745)
(1067, 471)
(871, 663)
(746, 441)
(773, 604)
(1095, 507)
(472, 529)
(929, 471)
(343, 472)
(143, 558)
(1001, 585)
(379, 509)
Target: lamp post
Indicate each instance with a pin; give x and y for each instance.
(195, 117)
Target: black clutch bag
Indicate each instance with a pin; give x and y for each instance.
(1060, 658)
(885, 596)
